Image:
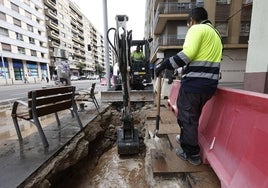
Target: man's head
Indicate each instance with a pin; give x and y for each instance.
(138, 48)
(197, 15)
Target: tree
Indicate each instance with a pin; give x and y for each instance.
(98, 69)
(80, 67)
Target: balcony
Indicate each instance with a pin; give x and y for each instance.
(166, 42)
(53, 44)
(51, 4)
(53, 34)
(75, 39)
(52, 24)
(170, 11)
(51, 13)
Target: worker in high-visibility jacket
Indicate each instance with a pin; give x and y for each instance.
(201, 55)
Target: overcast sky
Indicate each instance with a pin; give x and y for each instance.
(134, 9)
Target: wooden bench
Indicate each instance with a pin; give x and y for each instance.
(43, 102)
(88, 96)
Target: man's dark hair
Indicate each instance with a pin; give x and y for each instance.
(198, 14)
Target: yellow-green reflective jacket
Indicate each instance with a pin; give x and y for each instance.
(202, 53)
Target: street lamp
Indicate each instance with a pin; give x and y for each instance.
(4, 67)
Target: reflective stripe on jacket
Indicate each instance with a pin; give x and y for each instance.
(202, 53)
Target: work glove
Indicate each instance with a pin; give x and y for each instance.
(162, 66)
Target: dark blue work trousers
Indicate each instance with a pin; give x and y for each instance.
(189, 108)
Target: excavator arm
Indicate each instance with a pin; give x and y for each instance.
(127, 134)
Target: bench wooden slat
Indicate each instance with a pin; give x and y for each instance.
(50, 99)
(50, 91)
(49, 109)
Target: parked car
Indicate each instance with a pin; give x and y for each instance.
(93, 77)
(74, 78)
(82, 78)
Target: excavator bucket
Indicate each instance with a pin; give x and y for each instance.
(125, 144)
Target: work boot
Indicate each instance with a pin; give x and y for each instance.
(192, 159)
(178, 138)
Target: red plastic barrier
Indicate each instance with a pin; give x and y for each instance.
(172, 101)
(233, 134)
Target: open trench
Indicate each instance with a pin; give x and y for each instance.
(103, 167)
(90, 159)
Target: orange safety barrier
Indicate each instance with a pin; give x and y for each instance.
(233, 134)
(172, 100)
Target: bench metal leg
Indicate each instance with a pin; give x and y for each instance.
(78, 119)
(72, 113)
(96, 105)
(16, 124)
(58, 119)
(74, 110)
(41, 132)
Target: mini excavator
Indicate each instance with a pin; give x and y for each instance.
(131, 75)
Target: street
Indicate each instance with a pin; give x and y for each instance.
(12, 92)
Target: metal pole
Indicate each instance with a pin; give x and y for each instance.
(107, 62)
(4, 67)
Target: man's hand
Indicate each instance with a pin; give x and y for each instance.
(159, 68)
(162, 66)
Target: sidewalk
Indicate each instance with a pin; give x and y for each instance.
(19, 162)
(9, 82)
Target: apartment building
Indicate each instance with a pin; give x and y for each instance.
(23, 41)
(37, 34)
(166, 22)
(72, 38)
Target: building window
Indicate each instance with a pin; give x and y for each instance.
(2, 16)
(60, 5)
(222, 28)
(33, 53)
(61, 16)
(19, 36)
(28, 14)
(29, 27)
(21, 50)
(4, 32)
(245, 28)
(247, 1)
(14, 7)
(63, 44)
(31, 40)
(181, 32)
(32, 69)
(17, 22)
(223, 1)
(6, 47)
(27, 2)
(63, 34)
